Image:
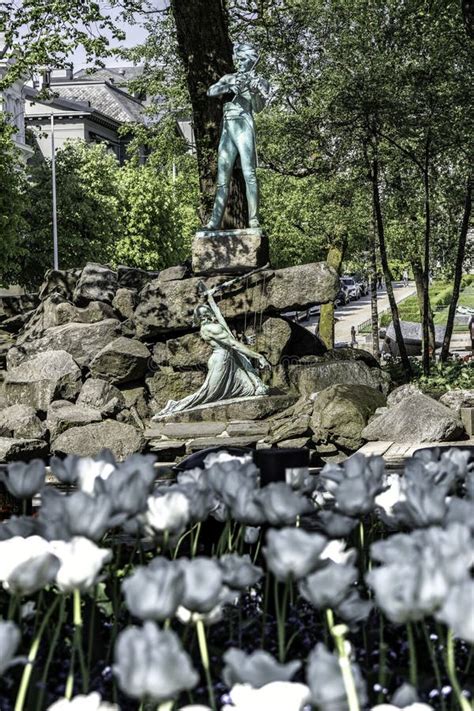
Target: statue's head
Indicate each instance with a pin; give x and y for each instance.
(202, 314)
(245, 56)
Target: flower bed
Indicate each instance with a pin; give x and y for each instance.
(346, 590)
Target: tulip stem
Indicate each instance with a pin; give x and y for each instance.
(92, 627)
(12, 605)
(78, 638)
(25, 679)
(338, 632)
(412, 650)
(451, 668)
(180, 540)
(281, 617)
(51, 650)
(266, 594)
(362, 545)
(195, 538)
(202, 641)
(257, 549)
(435, 665)
(382, 662)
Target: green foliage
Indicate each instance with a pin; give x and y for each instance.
(448, 376)
(41, 33)
(140, 215)
(12, 194)
(452, 375)
(156, 216)
(87, 210)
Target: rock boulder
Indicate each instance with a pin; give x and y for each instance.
(342, 411)
(14, 449)
(313, 374)
(456, 399)
(416, 418)
(101, 395)
(122, 361)
(81, 340)
(63, 415)
(87, 441)
(43, 378)
(21, 422)
(166, 306)
(96, 283)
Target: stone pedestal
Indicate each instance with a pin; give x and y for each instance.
(229, 251)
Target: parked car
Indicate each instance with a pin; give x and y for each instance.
(342, 297)
(352, 287)
(363, 284)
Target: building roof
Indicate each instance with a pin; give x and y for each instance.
(119, 75)
(104, 97)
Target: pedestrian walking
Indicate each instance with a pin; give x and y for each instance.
(353, 337)
(405, 277)
(379, 281)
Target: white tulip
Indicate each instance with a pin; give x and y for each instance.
(336, 551)
(277, 696)
(224, 456)
(92, 702)
(170, 512)
(88, 470)
(81, 561)
(195, 708)
(18, 550)
(387, 499)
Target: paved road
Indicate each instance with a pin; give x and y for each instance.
(356, 312)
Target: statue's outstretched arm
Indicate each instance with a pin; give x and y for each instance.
(262, 93)
(228, 339)
(225, 85)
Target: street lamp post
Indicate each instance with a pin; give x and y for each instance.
(53, 179)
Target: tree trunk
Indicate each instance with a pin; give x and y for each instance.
(426, 271)
(374, 309)
(417, 268)
(205, 49)
(374, 174)
(458, 271)
(326, 317)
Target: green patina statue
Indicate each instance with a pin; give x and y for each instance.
(251, 94)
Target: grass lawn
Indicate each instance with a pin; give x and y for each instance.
(440, 296)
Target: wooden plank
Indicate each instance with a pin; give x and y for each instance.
(371, 449)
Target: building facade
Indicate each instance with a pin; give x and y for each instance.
(12, 106)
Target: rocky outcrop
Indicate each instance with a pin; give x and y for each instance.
(101, 395)
(122, 361)
(81, 340)
(400, 393)
(341, 413)
(416, 418)
(456, 399)
(124, 302)
(121, 439)
(104, 349)
(13, 449)
(63, 415)
(168, 306)
(168, 384)
(313, 374)
(188, 351)
(43, 378)
(21, 422)
(96, 283)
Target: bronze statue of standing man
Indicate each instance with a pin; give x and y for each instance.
(251, 94)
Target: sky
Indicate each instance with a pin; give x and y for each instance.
(135, 35)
